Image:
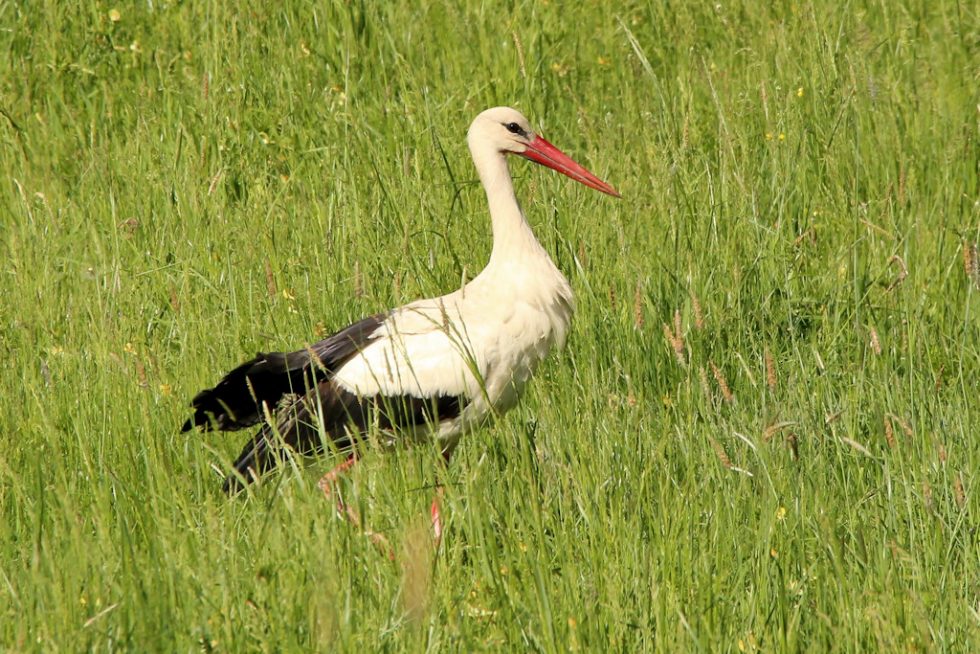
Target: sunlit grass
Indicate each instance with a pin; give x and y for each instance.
(762, 435)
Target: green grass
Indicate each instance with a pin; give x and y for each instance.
(195, 182)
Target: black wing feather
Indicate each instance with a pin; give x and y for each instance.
(297, 388)
(344, 415)
(236, 401)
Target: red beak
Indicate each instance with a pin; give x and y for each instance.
(544, 153)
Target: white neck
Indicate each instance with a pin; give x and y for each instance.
(513, 240)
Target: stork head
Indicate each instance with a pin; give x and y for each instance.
(506, 130)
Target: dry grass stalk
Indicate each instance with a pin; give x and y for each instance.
(358, 283)
(975, 269)
(906, 427)
(141, 374)
(270, 280)
(638, 319)
(769, 432)
(770, 370)
(773, 429)
(698, 315)
(875, 342)
(971, 262)
(881, 230)
(903, 272)
(705, 388)
(583, 259)
(857, 446)
(214, 182)
(901, 184)
(612, 297)
(726, 392)
(765, 99)
(808, 235)
(889, 433)
(678, 331)
(927, 495)
(720, 452)
(958, 493)
(520, 52)
(939, 376)
(129, 227)
(794, 445)
(174, 299)
(676, 344)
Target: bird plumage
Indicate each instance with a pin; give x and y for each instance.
(432, 368)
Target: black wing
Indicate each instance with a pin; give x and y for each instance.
(236, 401)
(344, 416)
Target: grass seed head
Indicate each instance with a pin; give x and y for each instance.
(901, 184)
(770, 371)
(720, 452)
(903, 272)
(141, 374)
(971, 263)
(174, 299)
(358, 282)
(726, 392)
(270, 280)
(676, 344)
(889, 433)
(875, 342)
(793, 441)
(638, 320)
(958, 493)
(698, 315)
(705, 388)
(906, 427)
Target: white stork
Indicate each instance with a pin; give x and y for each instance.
(432, 368)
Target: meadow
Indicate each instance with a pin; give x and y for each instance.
(762, 434)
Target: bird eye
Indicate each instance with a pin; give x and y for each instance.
(514, 128)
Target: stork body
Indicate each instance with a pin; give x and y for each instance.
(432, 368)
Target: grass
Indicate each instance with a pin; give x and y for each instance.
(183, 184)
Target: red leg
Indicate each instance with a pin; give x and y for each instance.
(326, 485)
(436, 517)
(327, 481)
(434, 508)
